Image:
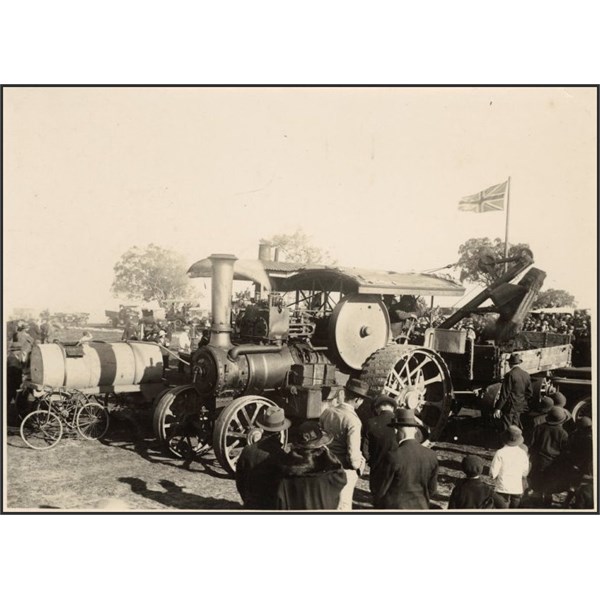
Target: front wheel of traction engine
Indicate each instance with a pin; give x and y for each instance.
(236, 428)
(180, 422)
(417, 378)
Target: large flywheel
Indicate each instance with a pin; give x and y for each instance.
(417, 378)
(358, 326)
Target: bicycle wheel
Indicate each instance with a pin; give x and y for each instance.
(92, 421)
(41, 429)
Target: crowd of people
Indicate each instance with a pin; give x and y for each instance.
(321, 467)
(577, 324)
(543, 451)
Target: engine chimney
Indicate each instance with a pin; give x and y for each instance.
(264, 252)
(222, 286)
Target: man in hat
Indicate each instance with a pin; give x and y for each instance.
(409, 472)
(577, 461)
(515, 394)
(25, 342)
(548, 442)
(509, 467)
(559, 399)
(536, 417)
(471, 492)
(258, 470)
(14, 374)
(46, 332)
(378, 440)
(343, 424)
(311, 477)
(185, 345)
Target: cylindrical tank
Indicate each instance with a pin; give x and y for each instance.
(101, 364)
(268, 371)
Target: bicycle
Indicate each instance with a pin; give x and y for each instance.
(58, 409)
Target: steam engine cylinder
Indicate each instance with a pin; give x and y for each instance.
(253, 373)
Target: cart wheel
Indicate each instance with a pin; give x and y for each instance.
(41, 429)
(236, 428)
(92, 421)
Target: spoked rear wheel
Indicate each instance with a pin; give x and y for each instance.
(41, 429)
(417, 378)
(92, 421)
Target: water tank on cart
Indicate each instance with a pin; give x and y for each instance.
(96, 364)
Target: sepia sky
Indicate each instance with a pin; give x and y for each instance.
(372, 175)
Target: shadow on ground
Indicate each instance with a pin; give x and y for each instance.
(175, 497)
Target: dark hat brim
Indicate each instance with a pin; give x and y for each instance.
(560, 421)
(397, 424)
(324, 440)
(520, 440)
(352, 392)
(355, 390)
(285, 425)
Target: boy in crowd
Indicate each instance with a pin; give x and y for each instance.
(471, 492)
(509, 467)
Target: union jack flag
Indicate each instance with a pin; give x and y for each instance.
(491, 198)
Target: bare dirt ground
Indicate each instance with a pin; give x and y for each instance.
(77, 474)
(129, 466)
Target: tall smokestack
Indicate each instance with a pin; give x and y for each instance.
(222, 285)
(264, 252)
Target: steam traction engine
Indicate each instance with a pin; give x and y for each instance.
(319, 326)
(292, 349)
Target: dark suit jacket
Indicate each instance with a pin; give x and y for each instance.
(258, 473)
(471, 493)
(516, 391)
(379, 439)
(409, 477)
(312, 480)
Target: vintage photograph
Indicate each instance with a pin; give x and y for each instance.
(300, 298)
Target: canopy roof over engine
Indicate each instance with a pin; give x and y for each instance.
(371, 281)
(286, 276)
(265, 272)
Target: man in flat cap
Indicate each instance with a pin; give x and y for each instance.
(343, 424)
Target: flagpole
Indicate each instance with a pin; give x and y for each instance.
(506, 230)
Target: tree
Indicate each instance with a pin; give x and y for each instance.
(297, 247)
(468, 261)
(554, 298)
(151, 273)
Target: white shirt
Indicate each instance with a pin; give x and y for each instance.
(509, 465)
(184, 342)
